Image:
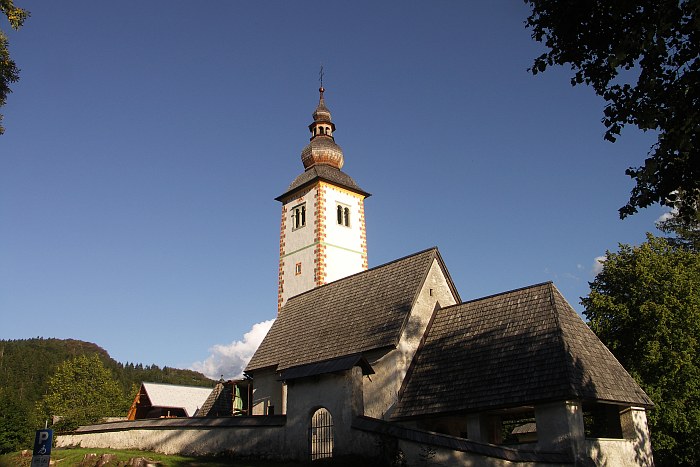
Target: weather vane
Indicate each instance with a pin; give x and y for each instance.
(320, 75)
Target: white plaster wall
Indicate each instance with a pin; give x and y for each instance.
(267, 391)
(635, 450)
(341, 395)
(299, 247)
(343, 244)
(560, 426)
(341, 263)
(263, 442)
(347, 237)
(295, 284)
(381, 389)
(618, 452)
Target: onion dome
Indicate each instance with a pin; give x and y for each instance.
(322, 148)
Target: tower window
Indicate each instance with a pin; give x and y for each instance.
(299, 216)
(343, 215)
(297, 269)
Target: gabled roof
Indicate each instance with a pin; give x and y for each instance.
(325, 173)
(328, 366)
(515, 348)
(359, 313)
(218, 403)
(189, 398)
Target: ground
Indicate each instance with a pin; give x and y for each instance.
(76, 457)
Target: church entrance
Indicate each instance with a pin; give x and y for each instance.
(321, 435)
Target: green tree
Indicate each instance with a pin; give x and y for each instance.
(642, 57)
(9, 73)
(16, 423)
(645, 306)
(83, 391)
(683, 233)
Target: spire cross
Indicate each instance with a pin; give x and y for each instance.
(320, 75)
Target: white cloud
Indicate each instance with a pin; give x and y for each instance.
(598, 264)
(666, 216)
(230, 360)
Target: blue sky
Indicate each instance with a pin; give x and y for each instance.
(146, 141)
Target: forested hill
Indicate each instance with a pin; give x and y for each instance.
(26, 364)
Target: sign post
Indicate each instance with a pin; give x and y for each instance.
(42, 448)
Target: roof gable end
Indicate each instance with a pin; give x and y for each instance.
(358, 313)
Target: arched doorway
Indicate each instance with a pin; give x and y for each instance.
(321, 435)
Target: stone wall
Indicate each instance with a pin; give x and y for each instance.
(259, 437)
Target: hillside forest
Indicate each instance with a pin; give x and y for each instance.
(32, 375)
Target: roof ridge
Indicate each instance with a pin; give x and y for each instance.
(498, 294)
(564, 344)
(361, 272)
(176, 385)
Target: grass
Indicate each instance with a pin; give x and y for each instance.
(77, 457)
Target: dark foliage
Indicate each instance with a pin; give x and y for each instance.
(26, 366)
(9, 72)
(642, 57)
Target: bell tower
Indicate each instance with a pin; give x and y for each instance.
(322, 236)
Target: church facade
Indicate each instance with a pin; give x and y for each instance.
(390, 365)
(396, 345)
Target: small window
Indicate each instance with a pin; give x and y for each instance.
(297, 269)
(343, 215)
(299, 216)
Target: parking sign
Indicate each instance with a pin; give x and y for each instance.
(42, 448)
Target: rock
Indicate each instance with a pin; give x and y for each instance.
(105, 459)
(142, 462)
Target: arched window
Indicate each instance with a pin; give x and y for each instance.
(321, 435)
(299, 216)
(343, 214)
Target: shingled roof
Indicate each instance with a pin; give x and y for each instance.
(362, 312)
(219, 402)
(516, 348)
(325, 173)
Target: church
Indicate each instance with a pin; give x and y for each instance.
(389, 364)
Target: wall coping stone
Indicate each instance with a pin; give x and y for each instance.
(185, 423)
(458, 444)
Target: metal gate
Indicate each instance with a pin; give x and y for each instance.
(321, 435)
